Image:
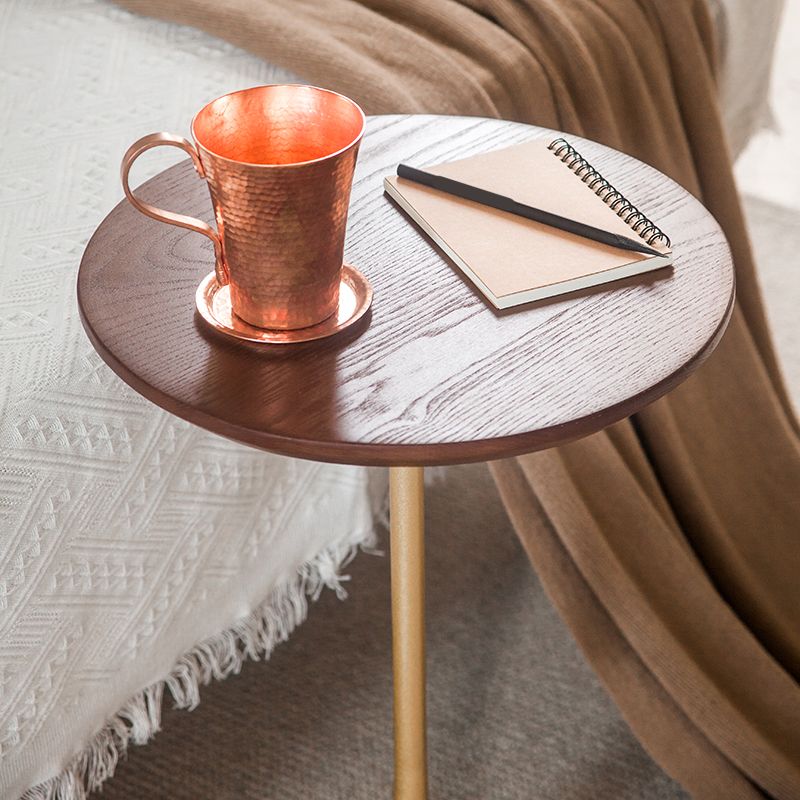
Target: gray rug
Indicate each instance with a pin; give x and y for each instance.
(514, 710)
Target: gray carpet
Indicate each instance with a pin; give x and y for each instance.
(514, 710)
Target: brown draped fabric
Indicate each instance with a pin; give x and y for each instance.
(670, 543)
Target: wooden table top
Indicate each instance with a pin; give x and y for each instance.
(434, 375)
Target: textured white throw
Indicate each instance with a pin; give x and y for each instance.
(127, 537)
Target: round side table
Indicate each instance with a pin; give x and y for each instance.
(433, 375)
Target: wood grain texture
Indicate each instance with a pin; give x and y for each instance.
(434, 375)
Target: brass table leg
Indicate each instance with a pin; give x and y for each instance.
(408, 631)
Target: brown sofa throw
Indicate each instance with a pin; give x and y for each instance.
(670, 543)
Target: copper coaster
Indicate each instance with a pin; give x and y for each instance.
(214, 304)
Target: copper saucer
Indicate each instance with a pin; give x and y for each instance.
(214, 304)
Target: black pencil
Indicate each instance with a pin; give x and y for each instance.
(503, 203)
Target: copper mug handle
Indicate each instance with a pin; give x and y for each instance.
(183, 221)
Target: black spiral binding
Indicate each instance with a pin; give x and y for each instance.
(651, 233)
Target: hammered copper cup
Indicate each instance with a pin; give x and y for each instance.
(279, 162)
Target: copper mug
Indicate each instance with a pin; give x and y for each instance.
(279, 162)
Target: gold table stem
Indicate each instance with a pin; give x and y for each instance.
(408, 631)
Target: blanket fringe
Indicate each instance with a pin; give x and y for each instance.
(253, 637)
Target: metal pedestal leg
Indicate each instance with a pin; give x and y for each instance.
(408, 631)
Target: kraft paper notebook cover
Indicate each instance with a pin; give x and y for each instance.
(513, 260)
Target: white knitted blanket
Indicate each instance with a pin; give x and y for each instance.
(136, 552)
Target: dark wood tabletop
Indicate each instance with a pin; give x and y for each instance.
(433, 375)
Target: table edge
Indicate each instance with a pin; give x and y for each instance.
(393, 455)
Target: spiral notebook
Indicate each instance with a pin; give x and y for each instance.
(513, 260)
